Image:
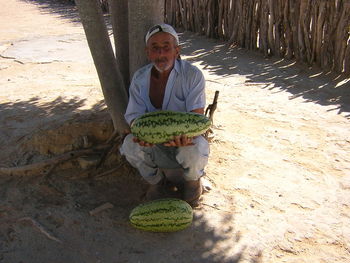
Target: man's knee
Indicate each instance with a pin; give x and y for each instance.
(202, 145)
(128, 146)
(199, 150)
(134, 152)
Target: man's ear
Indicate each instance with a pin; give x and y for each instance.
(178, 49)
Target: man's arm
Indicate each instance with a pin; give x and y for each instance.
(200, 110)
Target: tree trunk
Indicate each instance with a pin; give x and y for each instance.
(119, 16)
(102, 53)
(142, 15)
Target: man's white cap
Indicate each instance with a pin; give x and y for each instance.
(162, 28)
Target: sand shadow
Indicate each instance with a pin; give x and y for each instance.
(324, 88)
(62, 8)
(61, 206)
(33, 120)
(61, 203)
(65, 9)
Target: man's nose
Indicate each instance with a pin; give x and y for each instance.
(161, 51)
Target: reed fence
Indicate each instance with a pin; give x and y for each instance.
(310, 31)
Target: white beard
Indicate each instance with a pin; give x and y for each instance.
(161, 70)
(158, 69)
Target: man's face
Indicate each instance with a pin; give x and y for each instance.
(162, 51)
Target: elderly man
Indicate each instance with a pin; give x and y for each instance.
(167, 83)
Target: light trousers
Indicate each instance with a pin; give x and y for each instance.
(148, 160)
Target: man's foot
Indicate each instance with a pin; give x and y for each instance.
(192, 191)
(175, 177)
(156, 191)
(163, 189)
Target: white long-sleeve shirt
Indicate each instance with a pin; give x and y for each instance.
(185, 90)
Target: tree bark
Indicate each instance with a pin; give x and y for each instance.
(119, 16)
(102, 53)
(142, 15)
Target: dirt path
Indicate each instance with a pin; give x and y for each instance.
(279, 162)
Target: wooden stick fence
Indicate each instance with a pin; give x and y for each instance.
(316, 32)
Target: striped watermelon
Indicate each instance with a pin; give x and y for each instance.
(162, 215)
(162, 126)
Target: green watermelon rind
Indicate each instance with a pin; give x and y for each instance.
(161, 126)
(162, 215)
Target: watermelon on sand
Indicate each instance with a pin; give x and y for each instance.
(162, 215)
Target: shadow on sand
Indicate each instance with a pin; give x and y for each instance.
(62, 201)
(315, 86)
(22, 120)
(62, 8)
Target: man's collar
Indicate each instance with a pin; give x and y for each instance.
(177, 65)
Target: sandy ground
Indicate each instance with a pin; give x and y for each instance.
(279, 162)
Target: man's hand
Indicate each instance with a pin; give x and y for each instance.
(137, 140)
(180, 141)
(142, 143)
